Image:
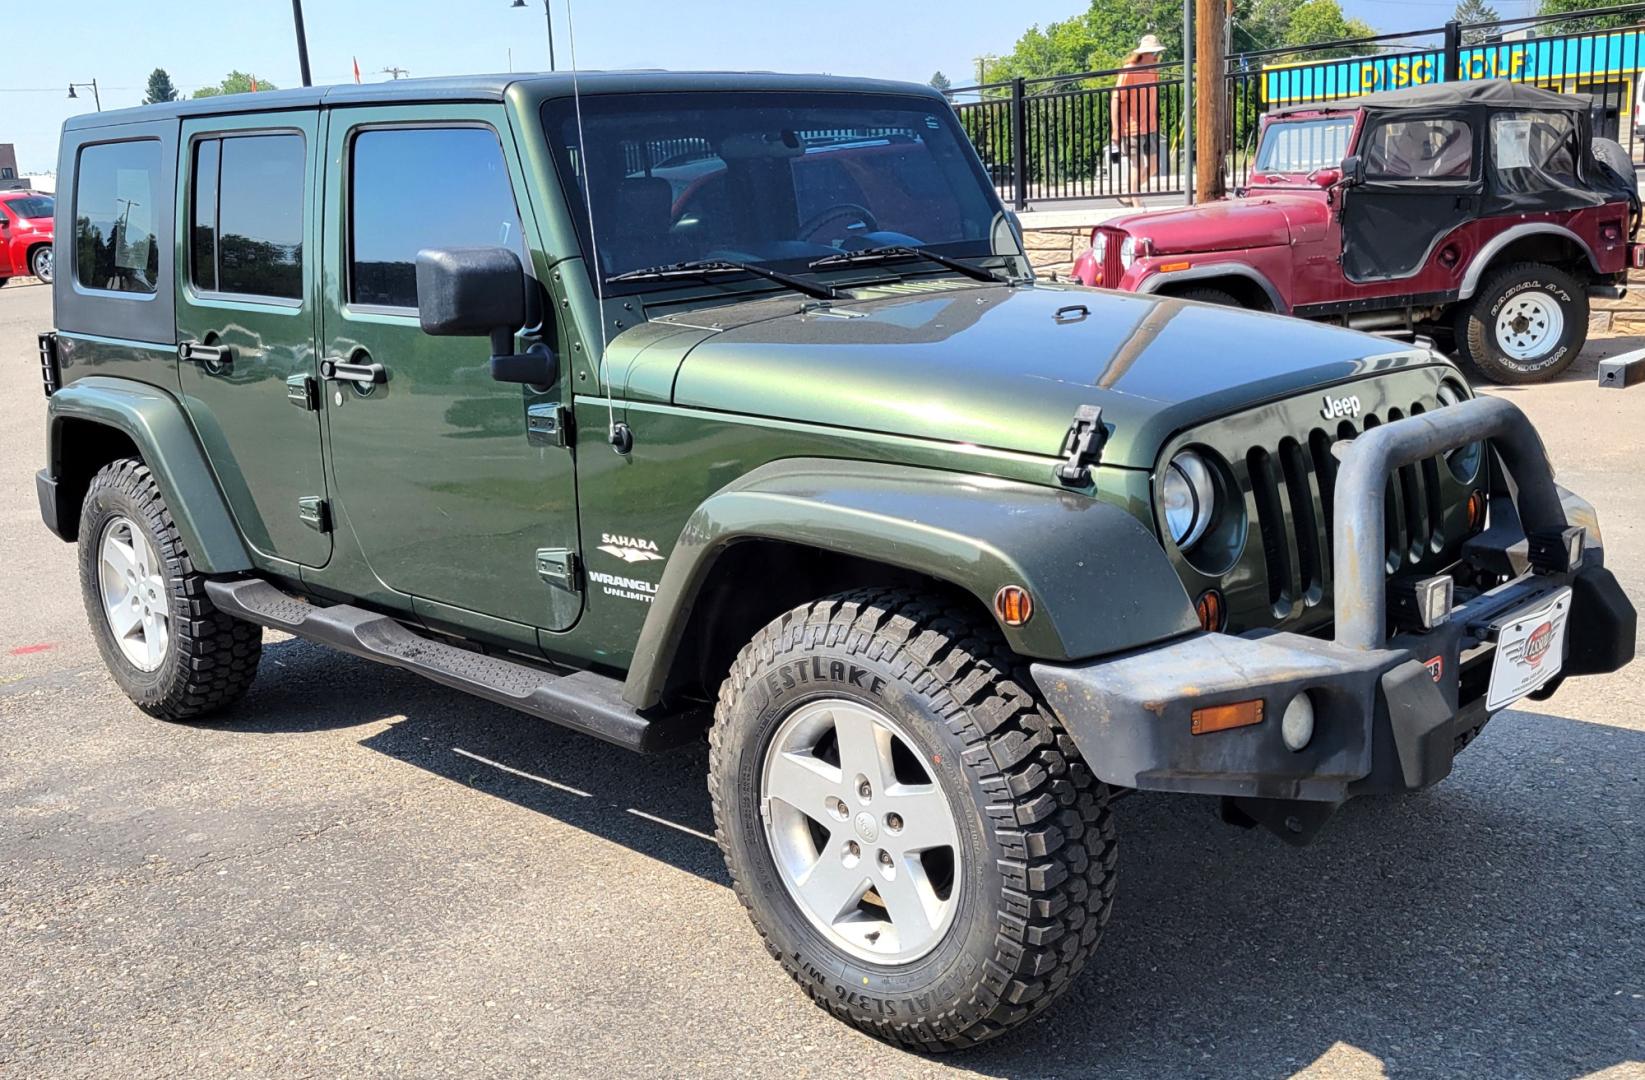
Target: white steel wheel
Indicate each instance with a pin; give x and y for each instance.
(1528, 325)
(862, 834)
(131, 581)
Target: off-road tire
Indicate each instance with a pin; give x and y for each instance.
(211, 658)
(1476, 323)
(1038, 841)
(41, 264)
(1220, 297)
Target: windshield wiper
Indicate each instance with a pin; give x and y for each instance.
(700, 267)
(908, 251)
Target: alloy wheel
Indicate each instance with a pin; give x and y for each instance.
(863, 836)
(132, 584)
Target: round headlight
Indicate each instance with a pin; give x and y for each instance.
(1188, 497)
(1128, 251)
(1099, 246)
(1464, 460)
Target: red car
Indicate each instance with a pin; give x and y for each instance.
(25, 234)
(1482, 214)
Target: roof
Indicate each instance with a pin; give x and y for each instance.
(1492, 93)
(490, 88)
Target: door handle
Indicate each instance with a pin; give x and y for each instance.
(358, 374)
(194, 352)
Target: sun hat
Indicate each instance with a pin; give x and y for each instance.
(1149, 45)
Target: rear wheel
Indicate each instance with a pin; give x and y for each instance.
(41, 264)
(913, 835)
(175, 655)
(1525, 325)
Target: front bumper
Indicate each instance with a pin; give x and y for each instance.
(1389, 711)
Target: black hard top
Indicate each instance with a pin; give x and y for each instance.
(492, 88)
(1493, 93)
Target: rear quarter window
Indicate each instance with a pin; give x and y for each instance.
(116, 192)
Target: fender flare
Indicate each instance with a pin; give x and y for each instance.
(157, 424)
(1154, 282)
(1482, 262)
(1099, 579)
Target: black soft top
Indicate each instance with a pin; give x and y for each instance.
(1491, 93)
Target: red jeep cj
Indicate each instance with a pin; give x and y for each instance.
(1483, 214)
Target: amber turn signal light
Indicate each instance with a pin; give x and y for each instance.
(1013, 605)
(1210, 609)
(1223, 717)
(1476, 510)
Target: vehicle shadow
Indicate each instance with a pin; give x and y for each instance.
(1493, 926)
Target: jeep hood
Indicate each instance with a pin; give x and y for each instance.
(996, 366)
(1225, 225)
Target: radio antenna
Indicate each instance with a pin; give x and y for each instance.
(616, 434)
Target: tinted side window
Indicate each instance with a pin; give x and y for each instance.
(116, 194)
(1419, 150)
(415, 188)
(248, 216)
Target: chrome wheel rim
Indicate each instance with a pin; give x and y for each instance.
(862, 834)
(43, 265)
(1528, 325)
(133, 587)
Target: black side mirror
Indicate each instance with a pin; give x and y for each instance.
(1353, 170)
(481, 292)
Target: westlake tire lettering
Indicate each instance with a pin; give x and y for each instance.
(804, 672)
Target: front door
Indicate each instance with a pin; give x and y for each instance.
(1422, 180)
(436, 476)
(246, 324)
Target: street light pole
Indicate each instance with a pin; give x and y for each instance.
(302, 40)
(96, 98)
(548, 15)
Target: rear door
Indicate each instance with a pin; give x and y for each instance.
(450, 498)
(1422, 179)
(246, 285)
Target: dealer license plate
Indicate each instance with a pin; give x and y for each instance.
(1530, 649)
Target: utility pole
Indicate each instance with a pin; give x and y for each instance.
(1188, 133)
(1210, 98)
(302, 40)
(395, 72)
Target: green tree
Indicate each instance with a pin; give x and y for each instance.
(1475, 11)
(940, 82)
(160, 88)
(236, 82)
(1567, 7)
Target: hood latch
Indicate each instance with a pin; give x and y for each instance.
(1082, 446)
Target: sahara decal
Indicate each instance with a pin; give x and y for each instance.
(630, 549)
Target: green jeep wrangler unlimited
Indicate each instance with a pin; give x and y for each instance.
(663, 404)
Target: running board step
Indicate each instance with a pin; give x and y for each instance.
(584, 701)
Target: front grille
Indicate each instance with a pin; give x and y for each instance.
(1291, 495)
(1111, 271)
(1279, 460)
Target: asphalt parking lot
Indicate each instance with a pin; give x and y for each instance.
(356, 873)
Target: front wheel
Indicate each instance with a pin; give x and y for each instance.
(41, 264)
(1525, 325)
(914, 836)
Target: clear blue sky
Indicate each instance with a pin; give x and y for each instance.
(118, 42)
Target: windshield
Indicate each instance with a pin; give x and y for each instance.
(32, 206)
(1301, 146)
(780, 178)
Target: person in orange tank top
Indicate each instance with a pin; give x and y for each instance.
(1134, 116)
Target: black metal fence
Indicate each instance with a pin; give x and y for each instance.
(1083, 136)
